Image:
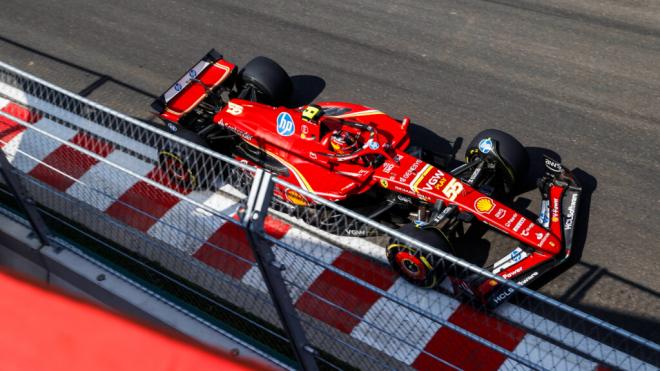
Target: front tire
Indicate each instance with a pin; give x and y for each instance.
(419, 267)
(513, 162)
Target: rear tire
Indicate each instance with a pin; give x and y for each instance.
(272, 84)
(184, 167)
(419, 267)
(512, 168)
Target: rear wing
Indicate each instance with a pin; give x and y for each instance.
(193, 87)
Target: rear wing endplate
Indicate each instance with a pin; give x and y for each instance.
(193, 86)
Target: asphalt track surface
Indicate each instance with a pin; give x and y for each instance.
(580, 79)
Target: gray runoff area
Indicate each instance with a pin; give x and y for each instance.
(576, 80)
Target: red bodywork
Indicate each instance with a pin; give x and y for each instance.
(301, 145)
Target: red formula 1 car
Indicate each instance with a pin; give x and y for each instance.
(364, 159)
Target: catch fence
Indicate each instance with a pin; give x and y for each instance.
(293, 273)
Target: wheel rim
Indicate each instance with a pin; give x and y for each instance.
(411, 265)
(176, 170)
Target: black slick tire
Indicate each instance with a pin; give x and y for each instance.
(415, 266)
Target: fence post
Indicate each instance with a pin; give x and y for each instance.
(256, 210)
(38, 225)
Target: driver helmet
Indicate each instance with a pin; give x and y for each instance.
(343, 142)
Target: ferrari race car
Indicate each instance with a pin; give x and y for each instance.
(366, 161)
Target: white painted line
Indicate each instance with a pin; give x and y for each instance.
(11, 148)
(299, 271)
(36, 144)
(103, 132)
(3, 102)
(187, 227)
(547, 355)
(393, 318)
(103, 184)
(570, 338)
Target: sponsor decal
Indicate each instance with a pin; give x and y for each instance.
(555, 210)
(410, 171)
(517, 255)
(374, 145)
(570, 216)
(285, 124)
(503, 295)
(243, 134)
(356, 232)
(501, 213)
(545, 237)
(510, 259)
(474, 175)
(383, 183)
(190, 75)
(295, 197)
(484, 205)
(434, 180)
(234, 109)
(404, 190)
(528, 278)
(511, 274)
(453, 189)
(387, 167)
(405, 199)
(510, 221)
(539, 235)
(544, 215)
(526, 231)
(312, 155)
(552, 165)
(485, 146)
(519, 224)
(172, 127)
(311, 113)
(304, 129)
(348, 186)
(552, 243)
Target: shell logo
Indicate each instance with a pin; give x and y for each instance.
(484, 205)
(295, 198)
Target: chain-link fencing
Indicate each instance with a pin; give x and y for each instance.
(114, 176)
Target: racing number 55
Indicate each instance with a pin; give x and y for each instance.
(452, 189)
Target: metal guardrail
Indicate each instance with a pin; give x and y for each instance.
(330, 296)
